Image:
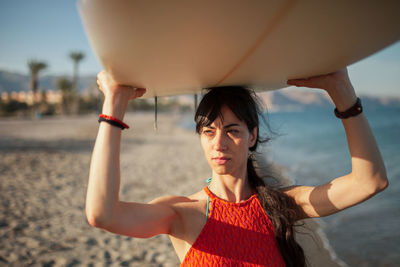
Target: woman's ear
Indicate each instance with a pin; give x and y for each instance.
(253, 137)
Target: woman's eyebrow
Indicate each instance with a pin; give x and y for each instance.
(231, 125)
(209, 126)
(226, 126)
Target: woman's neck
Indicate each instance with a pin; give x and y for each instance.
(231, 188)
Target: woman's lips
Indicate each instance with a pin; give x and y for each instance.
(220, 160)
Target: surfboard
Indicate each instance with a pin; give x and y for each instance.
(179, 47)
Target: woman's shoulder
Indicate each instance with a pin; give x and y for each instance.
(200, 195)
(174, 200)
(190, 211)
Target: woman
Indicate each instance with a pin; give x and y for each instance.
(236, 220)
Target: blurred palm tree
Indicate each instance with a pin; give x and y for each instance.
(65, 86)
(35, 67)
(76, 57)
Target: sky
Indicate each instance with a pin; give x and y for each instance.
(48, 30)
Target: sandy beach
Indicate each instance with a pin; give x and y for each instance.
(44, 166)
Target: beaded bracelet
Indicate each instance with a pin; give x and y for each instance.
(113, 121)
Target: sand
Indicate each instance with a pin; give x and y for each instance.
(44, 166)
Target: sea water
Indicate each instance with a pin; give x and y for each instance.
(312, 146)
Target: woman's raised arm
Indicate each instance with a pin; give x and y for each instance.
(368, 175)
(103, 207)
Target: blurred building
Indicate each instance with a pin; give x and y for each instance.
(51, 97)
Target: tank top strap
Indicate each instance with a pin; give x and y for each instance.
(209, 195)
(208, 192)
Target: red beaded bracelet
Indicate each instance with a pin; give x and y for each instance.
(113, 121)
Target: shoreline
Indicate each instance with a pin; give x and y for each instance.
(45, 165)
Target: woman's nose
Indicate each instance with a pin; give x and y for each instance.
(219, 141)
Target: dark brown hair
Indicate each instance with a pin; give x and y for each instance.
(280, 208)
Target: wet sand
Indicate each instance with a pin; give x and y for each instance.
(44, 166)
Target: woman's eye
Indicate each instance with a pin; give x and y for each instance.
(233, 131)
(207, 132)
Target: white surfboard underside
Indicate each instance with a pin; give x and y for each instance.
(179, 47)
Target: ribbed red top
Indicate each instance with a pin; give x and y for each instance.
(236, 234)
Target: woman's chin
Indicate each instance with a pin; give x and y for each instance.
(222, 170)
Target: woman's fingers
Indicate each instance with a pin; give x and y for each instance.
(110, 87)
(299, 82)
(139, 92)
(105, 82)
(336, 84)
(311, 82)
(328, 81)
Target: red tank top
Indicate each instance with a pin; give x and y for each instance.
(235, 234)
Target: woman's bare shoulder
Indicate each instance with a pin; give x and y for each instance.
(180, 200)
(190, 211)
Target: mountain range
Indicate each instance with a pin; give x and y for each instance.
(295, 99)
(288, 99)
(16, 82)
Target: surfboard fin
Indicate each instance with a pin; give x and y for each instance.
(155, 113)
(195, 102)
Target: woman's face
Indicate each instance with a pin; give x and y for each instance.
(226, 144)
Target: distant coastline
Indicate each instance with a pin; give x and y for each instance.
(286, 99)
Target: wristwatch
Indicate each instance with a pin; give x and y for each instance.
(351, 112)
